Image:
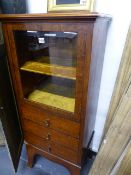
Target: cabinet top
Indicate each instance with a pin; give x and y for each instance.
(62, 16)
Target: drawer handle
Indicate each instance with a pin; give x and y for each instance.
(49, 149)
(48, 137)
(47, 123)
(1, 107)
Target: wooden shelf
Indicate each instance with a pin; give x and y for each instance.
(48, 69)
(60, 102)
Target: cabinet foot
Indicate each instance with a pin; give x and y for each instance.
(30, 154)
(33, 151)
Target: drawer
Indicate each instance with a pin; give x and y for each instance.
(48, 120)
(50, 135)
(51, 147)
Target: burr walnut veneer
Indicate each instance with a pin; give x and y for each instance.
(55, 61)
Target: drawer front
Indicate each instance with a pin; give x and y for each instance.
(60, 124)
(50, 135)
(51, 147)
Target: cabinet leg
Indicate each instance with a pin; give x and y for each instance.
(30, 154)
(31, 151)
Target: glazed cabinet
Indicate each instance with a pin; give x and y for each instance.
(55, 61)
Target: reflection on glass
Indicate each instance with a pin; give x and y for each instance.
(47, 62)
(59, 2)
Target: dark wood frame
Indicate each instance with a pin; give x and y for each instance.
(80, 62)
(92, 29)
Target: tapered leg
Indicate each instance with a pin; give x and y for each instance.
(30, 154)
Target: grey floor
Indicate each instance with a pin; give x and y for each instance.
(42, 166)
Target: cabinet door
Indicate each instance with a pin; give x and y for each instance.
(8, 112)
(47, 61)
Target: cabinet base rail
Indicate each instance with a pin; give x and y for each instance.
(33, 151)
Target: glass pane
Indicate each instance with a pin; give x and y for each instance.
(47, 62)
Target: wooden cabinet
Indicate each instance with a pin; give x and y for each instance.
(56, 62)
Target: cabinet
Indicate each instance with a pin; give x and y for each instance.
(56, 62)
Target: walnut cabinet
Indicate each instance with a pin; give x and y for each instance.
(55, 62)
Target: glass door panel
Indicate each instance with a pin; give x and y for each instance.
(47, 63)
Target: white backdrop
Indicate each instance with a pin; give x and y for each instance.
(39, 6)
(121, 13)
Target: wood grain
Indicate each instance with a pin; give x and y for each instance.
(50, 135)
(80, 56)
(33, 151)
(54, 16)
(117, 136)
(91, 32)
(90, 100)
(59, 71)
(55, 122)
(125, 167)
(50, 99)
(51, 147)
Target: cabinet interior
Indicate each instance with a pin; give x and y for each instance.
(47, 64)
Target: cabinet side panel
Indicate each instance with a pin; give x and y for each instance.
(86, 59)
(97, 58)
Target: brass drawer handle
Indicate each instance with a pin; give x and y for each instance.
(1, 107)
(47, 123)
(49, 149)
(48, 137)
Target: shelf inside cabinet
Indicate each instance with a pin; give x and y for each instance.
(55, 93)
(50, 69)
(60, 102)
